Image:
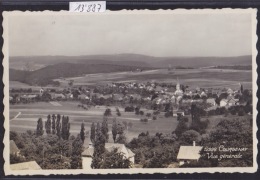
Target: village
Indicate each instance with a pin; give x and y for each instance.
(147, 99)
(150, 95)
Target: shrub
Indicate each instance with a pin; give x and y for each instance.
(168, 114)
(129, 109)
(156, 112)
(108, 112)
(145, 120)
(154, 117)
(241, 112)
(148, 115)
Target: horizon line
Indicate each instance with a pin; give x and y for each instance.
(129, 54)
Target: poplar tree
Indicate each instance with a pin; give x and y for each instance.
(53, 124)
(65, 129)
(58, 126)
(99, 149)
(48, 125)
(104, 129)
(82, 133)
(77, 148)
(114, 129)
(93, 133)
(39, 129)
(121, 134)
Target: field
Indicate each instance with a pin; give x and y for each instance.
(215, 78)
(28, 114)
(25, 116)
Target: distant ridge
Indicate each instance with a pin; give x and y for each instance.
(132, 60)
(45, 76)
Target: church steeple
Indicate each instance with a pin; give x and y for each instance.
(178, 84)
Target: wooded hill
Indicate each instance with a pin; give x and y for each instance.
(45, 76)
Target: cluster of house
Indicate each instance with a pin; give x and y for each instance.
(186, 154)
(138, 92)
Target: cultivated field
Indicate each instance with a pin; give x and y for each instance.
(192, 77)
(24, 117)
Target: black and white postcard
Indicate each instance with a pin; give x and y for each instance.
(142, 91)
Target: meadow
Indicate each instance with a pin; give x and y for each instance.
(24, 117)
(29, 114)
(215, 78)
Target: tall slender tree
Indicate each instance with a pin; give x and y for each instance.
(53, 124)
(121, 134)
(48, 125)
(65, 129)
(39, 129)
(114, 129)
(99, 148)
(82, 133)
(93, 133)
(58, 126)
(76, 153)
(104, 129)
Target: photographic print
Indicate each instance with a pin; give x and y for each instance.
(165, 91)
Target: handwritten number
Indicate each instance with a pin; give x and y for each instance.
(94, 7)
(88, 8)
(78, 8)
(82, 8)
(99, 7)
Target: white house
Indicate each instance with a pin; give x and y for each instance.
(211, 101)
(88, 153)
(229, 102)
(189, 153)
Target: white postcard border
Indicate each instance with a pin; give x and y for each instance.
(5, 50)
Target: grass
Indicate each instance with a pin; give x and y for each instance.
(31, 112)
(190, 77)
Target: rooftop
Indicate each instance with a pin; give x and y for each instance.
(31, 165)
(189, 152)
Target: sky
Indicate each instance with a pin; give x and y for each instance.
(158, 34)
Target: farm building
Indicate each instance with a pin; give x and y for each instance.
(211, 101)
(69, 96)
(188, 154)
(88, 153)
(28, 97)
(57, 96)
(83, 97)
(31, 165)
(229, 102)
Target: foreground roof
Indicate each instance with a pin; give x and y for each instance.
(189, 152)
(109, 147)
(31, 165)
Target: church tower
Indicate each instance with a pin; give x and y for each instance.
(178, 87)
